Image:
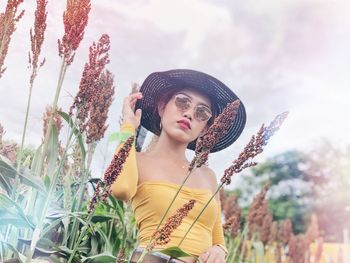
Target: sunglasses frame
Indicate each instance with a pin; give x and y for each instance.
(189, 105)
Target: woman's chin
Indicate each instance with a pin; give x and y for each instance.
(181, 137)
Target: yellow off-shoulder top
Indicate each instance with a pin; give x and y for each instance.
(150, 199)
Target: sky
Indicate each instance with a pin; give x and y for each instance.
(275, 55)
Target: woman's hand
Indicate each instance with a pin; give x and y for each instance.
(214, 254)
(128, 112)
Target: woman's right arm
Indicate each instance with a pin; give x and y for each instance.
(125, 186)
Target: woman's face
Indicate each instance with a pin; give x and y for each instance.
(185, 116)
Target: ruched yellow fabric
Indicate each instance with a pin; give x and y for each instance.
(150, 199)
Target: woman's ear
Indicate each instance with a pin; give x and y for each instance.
(161, 107)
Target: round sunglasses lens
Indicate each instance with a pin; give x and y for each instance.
(183, 103)
(202, 114)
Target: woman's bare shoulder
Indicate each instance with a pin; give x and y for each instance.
(210, 175)
(144, 165)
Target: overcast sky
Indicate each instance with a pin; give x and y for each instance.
(275, 55)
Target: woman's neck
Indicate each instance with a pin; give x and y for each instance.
(169, 149)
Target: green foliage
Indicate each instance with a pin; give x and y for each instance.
(175, 252)
(103, 234)
(282, 167)
(291, 193)
(288, 208)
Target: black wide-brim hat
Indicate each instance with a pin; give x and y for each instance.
(219, 94)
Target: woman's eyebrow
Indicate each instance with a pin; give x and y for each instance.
(200, 103)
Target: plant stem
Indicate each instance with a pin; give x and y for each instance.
(54, 109)
(20, 152)
(80, 237)
(233, 256)
(201, 212)
(91, 149)
(177, 193)
(173, 200)
(245, 233)
(38, 228)
(144, 253)
(19, 157)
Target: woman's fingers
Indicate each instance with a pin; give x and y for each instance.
(204, 256)
(138, 114)
(130, 101)
(128, 111)
(211, 257)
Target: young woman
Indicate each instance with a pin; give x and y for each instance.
(178, 106)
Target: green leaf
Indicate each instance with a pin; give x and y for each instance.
(52, 225)
(13, 220)
(32, 181)
(175, 252)
(9, 171)
(5, 184)
(6, 167)
(118, 208)
(52, 150)
(65, 252)
(76, 131)
(7, 203)
(259, 250)
(17, 254)
(119, 136)
(94, 245)
(104, 257)
(46, 246)
(36, 158)
(105, 239)
(103, 217)
(47, 182)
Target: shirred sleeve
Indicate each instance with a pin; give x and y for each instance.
(218, 232)
(125, 186)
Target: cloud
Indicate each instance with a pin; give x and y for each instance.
(275, 55)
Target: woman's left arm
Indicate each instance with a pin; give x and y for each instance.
(218, 252)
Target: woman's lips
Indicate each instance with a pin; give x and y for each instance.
(184, 124)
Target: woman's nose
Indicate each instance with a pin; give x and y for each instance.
(189, 113)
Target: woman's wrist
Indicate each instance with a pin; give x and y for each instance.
(127, 126)
(223, 248)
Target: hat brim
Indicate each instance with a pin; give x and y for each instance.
(220, 95)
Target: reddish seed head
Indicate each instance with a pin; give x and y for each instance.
(162, 236)
(297, 248)
(8, 22)
(232, 224)
(57, 120)
(253, 148)
(99, 107)
(111, 174)
(9, 151)
(259, 217)
(75, 19)
(285, 231)
(215, 132)
(95, 93)
(37, 38)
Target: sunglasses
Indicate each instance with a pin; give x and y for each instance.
(201, 112)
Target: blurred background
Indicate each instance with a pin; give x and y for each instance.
(275, 55)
